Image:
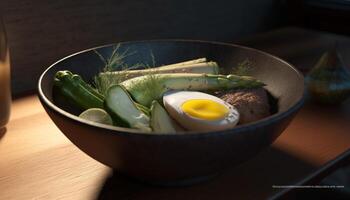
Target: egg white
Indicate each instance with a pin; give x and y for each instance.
(173, 101)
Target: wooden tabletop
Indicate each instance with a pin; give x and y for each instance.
(38, 162)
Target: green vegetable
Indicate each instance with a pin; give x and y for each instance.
(193, 66)
(74, 88)
(84, 96)
(97, 115)
(160, 120)
(186, 63)
(243, 68)
(105, 79)
(143, 108)
(123, 110)
(145, 89)
(114, 62)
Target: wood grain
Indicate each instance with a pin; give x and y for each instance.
(38, 162)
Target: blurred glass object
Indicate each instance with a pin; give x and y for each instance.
(329, 81)
(5, 91)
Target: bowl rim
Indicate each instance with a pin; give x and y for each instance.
(137, 133)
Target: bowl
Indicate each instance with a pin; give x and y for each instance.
(173, 159)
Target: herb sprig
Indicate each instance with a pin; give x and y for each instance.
(243, 68)
(116, 63)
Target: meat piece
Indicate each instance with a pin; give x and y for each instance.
(252, 104)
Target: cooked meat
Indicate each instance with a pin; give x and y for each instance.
(252, 104)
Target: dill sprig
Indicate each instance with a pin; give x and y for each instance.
(151, 81)
(116, 59)
(243, 68)
(116, 63)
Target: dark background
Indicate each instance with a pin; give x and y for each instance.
(41, 32)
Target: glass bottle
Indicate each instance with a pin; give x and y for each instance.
(5, 91)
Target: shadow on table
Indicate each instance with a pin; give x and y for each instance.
(253, 179)
(2, 132)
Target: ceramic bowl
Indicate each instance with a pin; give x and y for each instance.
(176, 158)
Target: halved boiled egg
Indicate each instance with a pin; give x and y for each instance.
(200, 111)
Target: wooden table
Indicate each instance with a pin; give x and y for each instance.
(38, 162)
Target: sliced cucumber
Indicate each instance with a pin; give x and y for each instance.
(160, 120)
(123, 109)
(97, 115)
(143, 108)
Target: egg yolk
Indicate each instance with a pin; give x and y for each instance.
(205, 109)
